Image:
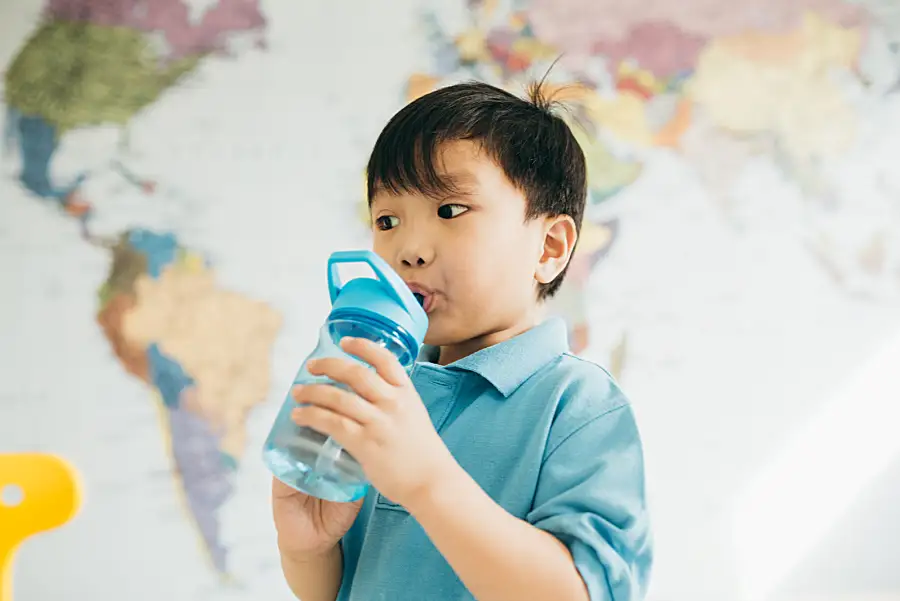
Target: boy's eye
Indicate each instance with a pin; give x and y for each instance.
(387, 222)
(449, 211)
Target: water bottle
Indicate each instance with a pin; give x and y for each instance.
(383, 310)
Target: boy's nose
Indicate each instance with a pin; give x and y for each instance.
(416, 256)
(418, 262)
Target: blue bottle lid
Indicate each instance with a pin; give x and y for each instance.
(386, 299)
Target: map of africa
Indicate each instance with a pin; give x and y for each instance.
(174, 174)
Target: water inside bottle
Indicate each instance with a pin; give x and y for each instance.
(293, 461)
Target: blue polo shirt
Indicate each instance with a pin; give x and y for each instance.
(551, 438)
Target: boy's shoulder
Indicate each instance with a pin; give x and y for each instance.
(577, 392)
(544, 387)
(580, 385)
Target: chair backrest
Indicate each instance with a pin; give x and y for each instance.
(38, 492)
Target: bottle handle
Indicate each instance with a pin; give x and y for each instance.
(383, 272)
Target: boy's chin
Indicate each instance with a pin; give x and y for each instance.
(434, 339)
(437, 335)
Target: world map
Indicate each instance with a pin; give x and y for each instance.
(671, 102)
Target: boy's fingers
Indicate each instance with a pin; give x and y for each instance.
(362, 380)
(383, 360)
(344, 430)
(337, 400)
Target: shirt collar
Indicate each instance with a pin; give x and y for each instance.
(508, 364)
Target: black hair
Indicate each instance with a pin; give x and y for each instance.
(533, 146)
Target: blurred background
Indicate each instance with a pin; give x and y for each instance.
(176, 172)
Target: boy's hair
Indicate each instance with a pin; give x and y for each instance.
(534, 147)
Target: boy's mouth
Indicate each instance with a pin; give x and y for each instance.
(425, 300)
(424, 297)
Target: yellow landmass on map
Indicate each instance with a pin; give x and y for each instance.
(220, 338)
(534, 49)
(472, 45)
(606, 172)
(593, 237)
(623, 115)
(780, 83)
(644, 77)
(420, 84)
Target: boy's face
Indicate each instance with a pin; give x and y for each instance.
(472, 256)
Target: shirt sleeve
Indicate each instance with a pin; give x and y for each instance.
(590, 495)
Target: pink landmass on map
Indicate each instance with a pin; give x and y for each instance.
(169, 17)
(661, 47)
(581, 27)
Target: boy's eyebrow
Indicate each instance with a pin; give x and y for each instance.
(459, 178)
(459, 184)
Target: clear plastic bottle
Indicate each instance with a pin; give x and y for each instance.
(382, 310)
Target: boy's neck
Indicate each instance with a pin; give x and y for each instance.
(454, 352)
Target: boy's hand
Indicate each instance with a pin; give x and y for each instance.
(385, 425)
(308, 527)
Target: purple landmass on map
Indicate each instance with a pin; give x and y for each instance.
(663, 48)
(170, 18)
(205, 474)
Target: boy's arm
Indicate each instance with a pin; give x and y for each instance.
(587, 537)
(317, 578)
(496, 555)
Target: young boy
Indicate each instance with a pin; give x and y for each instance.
(504, 469)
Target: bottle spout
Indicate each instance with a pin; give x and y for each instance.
(327, 457)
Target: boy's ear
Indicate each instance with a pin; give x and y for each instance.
(559, 243)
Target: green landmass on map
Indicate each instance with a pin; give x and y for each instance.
(75, 74)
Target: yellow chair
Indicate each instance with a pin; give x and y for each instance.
(38, 492)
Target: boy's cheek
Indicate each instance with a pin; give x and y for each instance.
(382, 251)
